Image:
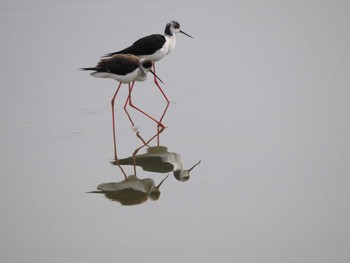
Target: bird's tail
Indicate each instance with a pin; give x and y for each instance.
(126, 161)
(88, 68)
(110, 54)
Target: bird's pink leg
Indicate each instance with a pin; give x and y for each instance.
(116, 160)
(113, 124)
(132, 122)
(146, 143)
(126, 103)
(121, 168)
(160, 126)
(167, 101)
(138, 109)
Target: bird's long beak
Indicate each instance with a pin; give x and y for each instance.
(162, 181)
(156, 76)
(194, 166)
(185, 34)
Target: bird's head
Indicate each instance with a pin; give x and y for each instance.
(173, 27)
(184, 175)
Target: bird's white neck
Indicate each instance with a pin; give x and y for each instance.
(141, 75)
(171, 42)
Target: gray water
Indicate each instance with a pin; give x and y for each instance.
(260, 96)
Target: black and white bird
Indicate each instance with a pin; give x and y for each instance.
(124, 68)
(155, 47)
(158, 159)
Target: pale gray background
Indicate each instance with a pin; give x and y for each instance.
(261, 95)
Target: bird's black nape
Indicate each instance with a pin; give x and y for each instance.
(173, 24)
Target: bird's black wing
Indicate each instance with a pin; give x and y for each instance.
(144, 46)
(149, 163)
(119, 64)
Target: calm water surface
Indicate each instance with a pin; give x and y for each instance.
(260, 96)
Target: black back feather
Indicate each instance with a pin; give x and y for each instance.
(144, 46)
(121, 64)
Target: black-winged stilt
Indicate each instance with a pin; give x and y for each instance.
(124, 68)
(131, 191)
(155, 47)
(157, 159)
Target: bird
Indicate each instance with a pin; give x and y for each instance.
(157, 159)
(131, 191)
(155, 47)
(124, 68)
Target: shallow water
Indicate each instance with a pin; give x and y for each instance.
(260, 96)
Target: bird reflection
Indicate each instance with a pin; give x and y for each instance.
(158, 159)
(131, 191)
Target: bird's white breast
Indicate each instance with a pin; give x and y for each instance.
(141, 76)
(165, 50)
(130, 77)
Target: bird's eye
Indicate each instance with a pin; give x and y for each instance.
(176, 25)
